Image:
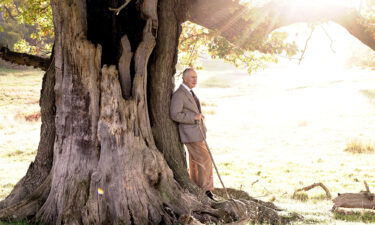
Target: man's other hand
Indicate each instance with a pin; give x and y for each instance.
(199, 117)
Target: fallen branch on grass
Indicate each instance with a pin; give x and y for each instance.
(328, 194)
(363, 199)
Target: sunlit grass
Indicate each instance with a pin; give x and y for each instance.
(215, 82)
(267, 137)
(301, 196)
(19, 124)
(369, 94)
(359, 147)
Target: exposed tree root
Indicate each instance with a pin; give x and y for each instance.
(231, 212)
(364, 200)
(30, 206)
(328, 194)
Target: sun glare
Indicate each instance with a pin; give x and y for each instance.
(345, 3)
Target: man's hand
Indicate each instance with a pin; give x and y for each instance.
(199, 117)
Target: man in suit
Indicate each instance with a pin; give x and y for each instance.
(186, 111)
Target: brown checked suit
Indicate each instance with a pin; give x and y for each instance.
(183, 110)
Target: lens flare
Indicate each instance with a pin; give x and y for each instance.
(100, 191)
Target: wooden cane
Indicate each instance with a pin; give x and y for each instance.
(213, 162)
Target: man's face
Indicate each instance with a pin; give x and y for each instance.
(190, 79)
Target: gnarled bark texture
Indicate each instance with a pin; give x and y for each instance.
(105, 160)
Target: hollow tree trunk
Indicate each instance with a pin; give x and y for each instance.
(103, 142)
(40, 168)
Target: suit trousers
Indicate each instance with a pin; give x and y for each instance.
(200, 165)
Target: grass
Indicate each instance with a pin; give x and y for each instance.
(370, 94)
(19, 223)
(215, 82)
(265, 140)
(356, 146)
(301, 196)
(6, 71)
(29, 116)
(19, 124)
(14, 223)
(356, 216)
(208, 108)
(20, 87)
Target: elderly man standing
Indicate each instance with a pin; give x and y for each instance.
(186, 111)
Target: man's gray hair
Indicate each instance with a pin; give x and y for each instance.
(187, 70)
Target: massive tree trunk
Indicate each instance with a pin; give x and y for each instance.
(105, 160)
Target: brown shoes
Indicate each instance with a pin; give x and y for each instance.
(211, 195)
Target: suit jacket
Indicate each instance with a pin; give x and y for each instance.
(183, 110)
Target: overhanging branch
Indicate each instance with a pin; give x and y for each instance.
(245, 27)
(24, 59)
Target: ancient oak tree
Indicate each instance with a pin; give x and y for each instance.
(109, 153)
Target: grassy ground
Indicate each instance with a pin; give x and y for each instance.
(271, 133)
(19, 124)
(287, 128)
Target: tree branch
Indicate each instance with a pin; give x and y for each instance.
(9, 13)
(118, 10)
(328, 194)
(330, 39)
(24, 59)
(306, 44)
(245, 27)
(363, 199)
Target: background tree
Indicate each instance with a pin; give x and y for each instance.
(109, 153)
(30, 22)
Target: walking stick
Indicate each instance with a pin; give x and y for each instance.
(213, 162)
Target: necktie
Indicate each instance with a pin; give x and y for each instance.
(196, 101)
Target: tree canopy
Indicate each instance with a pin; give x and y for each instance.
(26, 26)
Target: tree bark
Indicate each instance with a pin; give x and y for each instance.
(363, 200)
(161, 88)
